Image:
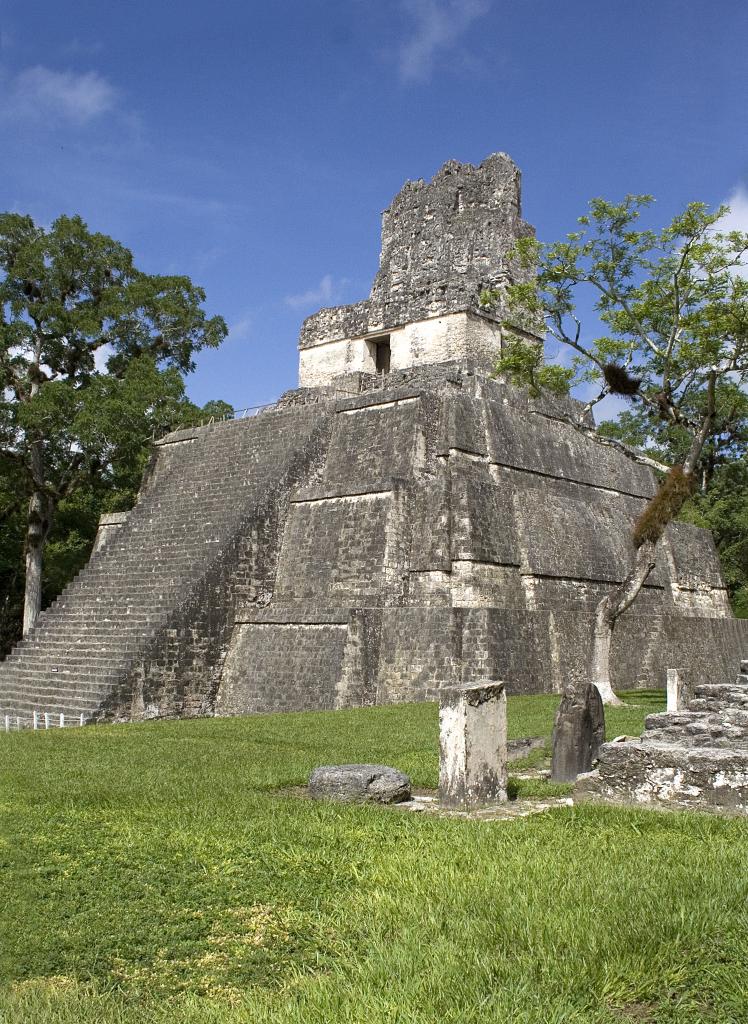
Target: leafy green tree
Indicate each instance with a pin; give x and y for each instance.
(723, 509)
(118, 420)
(669, 442)
(720, 503)
(675, 312)
(72, 304)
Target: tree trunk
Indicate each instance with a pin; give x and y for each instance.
(37, 530)
(32, 601)
(610, 609)
(607, 613)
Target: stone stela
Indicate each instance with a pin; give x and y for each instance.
(578, 732)
(473, 745)
(674, 690)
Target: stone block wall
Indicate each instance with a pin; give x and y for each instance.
(461, 335)
(369, 548)
(443, 243)
(508, 534)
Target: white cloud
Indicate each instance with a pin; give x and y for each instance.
(39, 93)
(101, 356)
(240, 329)
(325, 292)
(737, 218)
(439, 26)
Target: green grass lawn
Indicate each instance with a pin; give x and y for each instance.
(159, 873)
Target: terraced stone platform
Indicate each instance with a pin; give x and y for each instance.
(345, 549)
(156, 599)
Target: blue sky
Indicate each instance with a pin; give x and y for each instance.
(253, 146)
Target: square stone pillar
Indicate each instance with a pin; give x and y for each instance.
(674, 690)
(472, 738)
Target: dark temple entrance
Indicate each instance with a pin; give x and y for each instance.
(382, 354)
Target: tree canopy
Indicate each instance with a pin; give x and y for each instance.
(673, 308)
(91, 354)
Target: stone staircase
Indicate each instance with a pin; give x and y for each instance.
(207, 485)
(695, 758)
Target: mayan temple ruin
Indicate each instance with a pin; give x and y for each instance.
(400, 522)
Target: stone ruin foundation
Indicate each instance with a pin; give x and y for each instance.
(695, 758)
(400, 522)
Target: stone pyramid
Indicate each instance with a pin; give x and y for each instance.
(399, 522)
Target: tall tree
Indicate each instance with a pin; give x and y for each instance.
(675, 310)
(72, 304)
(117, 421)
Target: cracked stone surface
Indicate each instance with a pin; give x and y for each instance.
(695, 758)
(359, 783)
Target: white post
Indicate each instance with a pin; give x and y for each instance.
(7, 723)
(62, 721)
(46, 720)
(472, 736)
(81, 718)
(36, 719)
(674, 690)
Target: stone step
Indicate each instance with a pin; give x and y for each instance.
(71, 662)
(29, 680)
(54, 659)
(87, 704)
(102, 615)
(52, 644)
(130, 608)
(87, 693)
(119, 581)
(168, 577)
(94, 633)
(122, 644)
(717, 706)
(49, 666)
(719, 689)
(57, 697)
(114, 588)
(694, 736)
(667, 719)
(73, 709)
(733, 722)
(669, 775)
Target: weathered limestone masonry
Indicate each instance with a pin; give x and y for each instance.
(442, 244)
(377, 535)
(143, 630)
(695, 758)
(473, 745)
